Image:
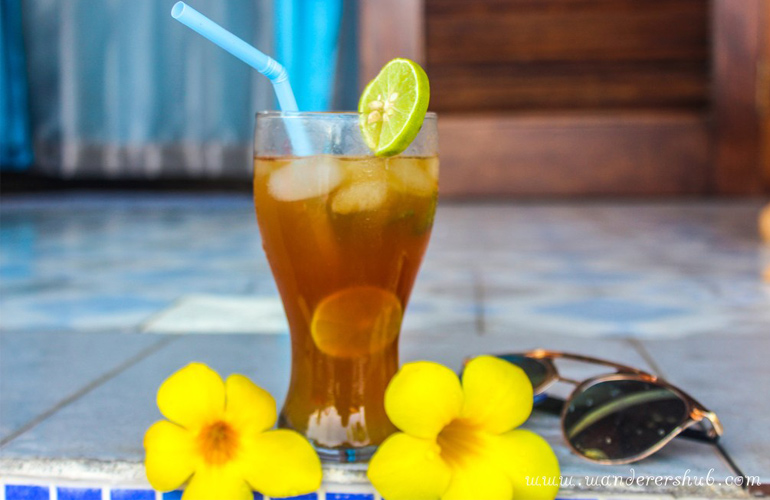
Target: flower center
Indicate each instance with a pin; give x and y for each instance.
(460, 441)
(218, 443)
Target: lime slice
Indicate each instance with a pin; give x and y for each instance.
(393, 106)
(356, 321)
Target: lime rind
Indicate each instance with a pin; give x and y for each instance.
(393, 106)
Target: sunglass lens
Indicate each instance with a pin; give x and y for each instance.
(621, 419)
(535, 370)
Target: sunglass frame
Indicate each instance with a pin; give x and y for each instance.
(695, 411)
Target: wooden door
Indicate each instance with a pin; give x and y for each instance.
(586, 97)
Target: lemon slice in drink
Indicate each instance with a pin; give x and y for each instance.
(393, 106)
(356, 321)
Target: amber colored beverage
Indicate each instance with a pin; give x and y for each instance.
(344, 237)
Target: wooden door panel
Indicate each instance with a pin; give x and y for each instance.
(738, 29)
(503, 31)
(587, 97)
(628, 154)
(588, 85)
(510, 55)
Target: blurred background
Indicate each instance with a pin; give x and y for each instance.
(118, 90)
(536, 97)
(640, 128)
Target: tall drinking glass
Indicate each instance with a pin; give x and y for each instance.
(345, 233)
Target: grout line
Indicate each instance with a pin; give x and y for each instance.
(478, 302)
(147, 322)
(731, 463)
(86, 389)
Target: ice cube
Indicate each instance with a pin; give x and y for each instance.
(306, 178)
(407, 175)
(360, 197)
(365, 169)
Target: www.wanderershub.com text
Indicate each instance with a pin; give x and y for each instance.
(687, 479)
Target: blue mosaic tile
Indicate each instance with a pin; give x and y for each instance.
(67, 312)
(67, 307)
(173, 495)
(132, 495)
(106, 261)
(309, 496)
(24, 492)
(589, 277)
(79, 493)
(15, 272)
(612, 310)
(349, 496)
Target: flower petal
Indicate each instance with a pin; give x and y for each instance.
(280, 463)
(171, 455)
(248, 405)
(193, 396)
(409, 468)
(498, 394)
(527, 458)
(422, 398)
(479, 479)
(221, 482)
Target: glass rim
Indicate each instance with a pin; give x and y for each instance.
(430, 115)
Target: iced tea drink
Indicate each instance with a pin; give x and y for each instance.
(344, 232)
(344, 236)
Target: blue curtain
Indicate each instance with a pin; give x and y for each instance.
(15, 144)
(120, 89)
(306, 44)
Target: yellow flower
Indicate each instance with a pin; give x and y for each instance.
(218, 441)
(458, 441)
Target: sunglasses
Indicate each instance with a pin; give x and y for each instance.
(620, 417)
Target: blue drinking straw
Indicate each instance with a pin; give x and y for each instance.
(254, 58)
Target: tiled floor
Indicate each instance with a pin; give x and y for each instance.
(93, 290)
